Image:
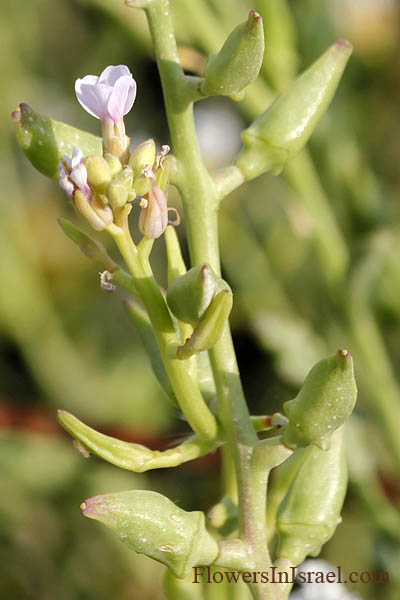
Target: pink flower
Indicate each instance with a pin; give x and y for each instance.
(72, 174)
(111, 95)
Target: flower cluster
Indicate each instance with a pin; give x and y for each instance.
(98, 186)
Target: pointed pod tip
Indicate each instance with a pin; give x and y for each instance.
(253, 14)
(343, 47)
(95, 507)
(344, 353)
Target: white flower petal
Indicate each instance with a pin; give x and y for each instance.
(79, 176)
(94, 98)
(111, 73)
(122, 97)
(66, 185)
(77, 157)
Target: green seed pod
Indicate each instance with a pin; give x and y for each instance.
(131, 456)
(284, 129)
(143, 155)
(90, 247)
(238, 62)
(151, 524)
(45, 141)
(190, 295)
(282, 477)
(310, 512)
(324, 403)
(148, 338)
(210, 327)
(98, 173)
(119, 191)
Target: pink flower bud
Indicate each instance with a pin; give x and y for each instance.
(72, 174)
(153, 219)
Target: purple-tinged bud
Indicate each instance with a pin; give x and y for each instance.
(153, 219)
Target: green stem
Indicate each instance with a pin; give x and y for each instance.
(200, 207)
(185, 387)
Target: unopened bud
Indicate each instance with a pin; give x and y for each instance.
(153, 218)
(284, 129)
(45, 141)
(151, 524)
(191, 294)
(114, 163)
(120, 191)
(143, 155)
(238, 62)
(210, 328)
(95, 214)
(324, 403)
(98, 173)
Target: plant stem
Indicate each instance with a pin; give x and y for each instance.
(185, 387)
(200, 207)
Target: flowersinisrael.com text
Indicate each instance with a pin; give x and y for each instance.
(207, 575)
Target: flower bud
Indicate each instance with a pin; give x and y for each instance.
(45, 141)
(191, 294)
(90, 247)
(92, 211)
(238, 62)
(310, 512)
(98, 173)
(153, 218)
(210, 327)
(142, 185)
(284, 129)
(114, 163)
(143, 155)
(120, 191)
(324, 403)
(151, 524)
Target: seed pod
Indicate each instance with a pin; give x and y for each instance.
(143, 155)
(210, 327)
(310, 512)
(151, 524)
(45, 141)
(238, 62)
(284, 129)
(90, 247)
(324, 403)
(131, 456)
(282, 477)
(190, 295)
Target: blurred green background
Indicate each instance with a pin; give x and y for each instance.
(314, 266)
